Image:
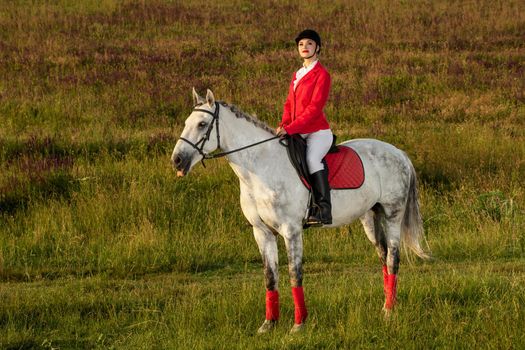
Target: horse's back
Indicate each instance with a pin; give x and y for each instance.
(377, 152)
(383, 162)
(372, 146)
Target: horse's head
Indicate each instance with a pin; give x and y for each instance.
(197, 139)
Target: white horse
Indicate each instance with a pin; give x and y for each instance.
(274, 200)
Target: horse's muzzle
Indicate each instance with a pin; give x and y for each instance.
(181, 163)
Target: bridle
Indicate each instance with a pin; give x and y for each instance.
(199, 145)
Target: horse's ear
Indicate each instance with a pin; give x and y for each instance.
(210, 98)
(196, 98)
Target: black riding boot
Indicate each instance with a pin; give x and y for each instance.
(321, 192)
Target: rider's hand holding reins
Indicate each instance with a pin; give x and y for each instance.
(281, 132)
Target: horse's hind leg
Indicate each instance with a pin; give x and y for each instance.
(388, 250)
(371, 221)
(393, 219)
(267, 243)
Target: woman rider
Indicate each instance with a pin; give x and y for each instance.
(303, 114)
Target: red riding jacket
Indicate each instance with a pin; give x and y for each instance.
(303, 109)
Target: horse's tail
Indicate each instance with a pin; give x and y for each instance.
(412, 226)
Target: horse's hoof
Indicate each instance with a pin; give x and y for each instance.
(387, 313)
(267, 326)
(297, 328)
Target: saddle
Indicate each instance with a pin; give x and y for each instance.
(345, 168)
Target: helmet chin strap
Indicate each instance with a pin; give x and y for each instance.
(315, 52)
(307, 58)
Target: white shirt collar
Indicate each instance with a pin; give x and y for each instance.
(302, 72)
(311, 65)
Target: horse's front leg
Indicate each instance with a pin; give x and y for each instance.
(267, 242)
(293, 238)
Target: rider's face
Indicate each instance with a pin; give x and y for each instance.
(306, 48)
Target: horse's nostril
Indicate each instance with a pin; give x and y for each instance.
(178, 160)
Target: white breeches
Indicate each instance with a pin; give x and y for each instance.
(317, 145)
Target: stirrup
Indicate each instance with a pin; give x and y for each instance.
(312, 217)
(314, 223)
(317, 220)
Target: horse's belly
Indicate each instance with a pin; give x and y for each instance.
(349, 205)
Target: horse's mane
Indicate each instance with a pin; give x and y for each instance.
(240, 114)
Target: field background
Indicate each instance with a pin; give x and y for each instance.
(102, 247)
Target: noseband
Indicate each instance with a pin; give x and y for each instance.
(199, 146)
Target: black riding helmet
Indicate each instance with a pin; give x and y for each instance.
(309, 34)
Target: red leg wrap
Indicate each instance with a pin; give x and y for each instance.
(272, 305)
(300, 307)
(390, 291)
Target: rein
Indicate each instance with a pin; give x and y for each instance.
(199, 146)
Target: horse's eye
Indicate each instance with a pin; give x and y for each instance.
(202, 124)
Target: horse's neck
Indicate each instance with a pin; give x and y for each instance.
(264, 161)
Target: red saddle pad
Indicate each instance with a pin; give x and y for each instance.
(345, 169)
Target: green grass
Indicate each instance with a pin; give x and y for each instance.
(101, 246)
(440, 306)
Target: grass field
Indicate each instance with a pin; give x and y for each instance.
(102, 247)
